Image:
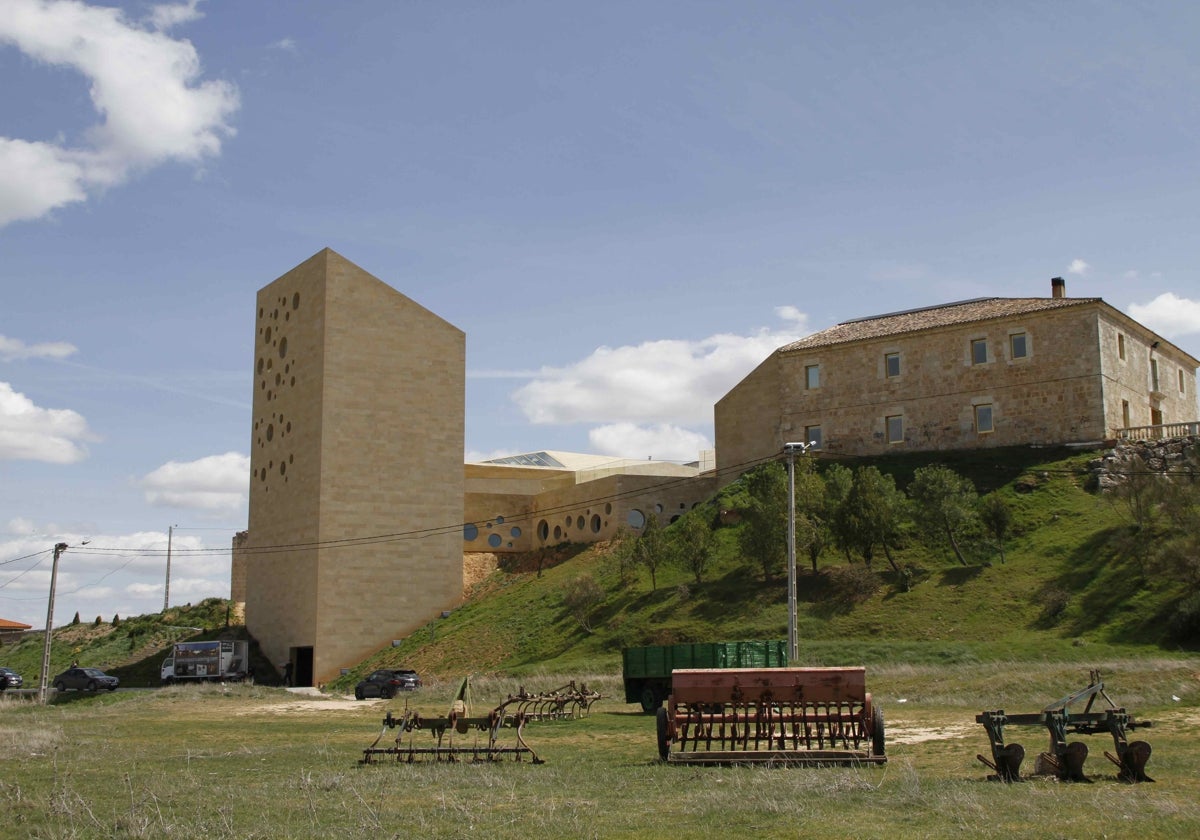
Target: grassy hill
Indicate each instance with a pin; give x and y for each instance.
(1075, 584)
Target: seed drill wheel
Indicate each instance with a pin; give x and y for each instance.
(877, 744)
(664, 733)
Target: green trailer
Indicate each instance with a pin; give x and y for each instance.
(647, 670)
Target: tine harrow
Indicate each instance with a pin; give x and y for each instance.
(770, 716)
(448, 732)
(567, 701)
(1065, 758)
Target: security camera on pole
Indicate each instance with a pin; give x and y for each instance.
(790, 449)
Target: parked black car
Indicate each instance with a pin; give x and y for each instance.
(10, 679)
(386, 682)
(91, 679)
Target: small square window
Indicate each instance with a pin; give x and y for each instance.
(983, 418)
(1018, 345)
(812, 434)
(891, 363)
(895, 428)
(979, 351)
(812, 376)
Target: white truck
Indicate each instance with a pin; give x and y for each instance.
(222, 659)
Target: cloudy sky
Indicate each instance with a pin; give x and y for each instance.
(625, 205)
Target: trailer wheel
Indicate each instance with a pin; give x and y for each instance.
(664, 738)
(877, 744)
(650, 699)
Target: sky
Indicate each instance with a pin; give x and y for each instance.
(626, 206)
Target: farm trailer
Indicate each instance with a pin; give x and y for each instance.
(647, 671)
(222, 659)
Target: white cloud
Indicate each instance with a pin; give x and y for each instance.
(793, 316)
(217, 483)
(14, 348)
(666, 382)
(170, 15)
(1077, 266)
(30, 433)
(285, 44)
(142, 83)
(1168, 315)
(663, 442)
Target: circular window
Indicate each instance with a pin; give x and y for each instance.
(470, 532)
(674, 519)
(515, 532)
(296, 301)
(494, 541)
(579, 522)
(595, 523)
(557, 533)
(270, 431)
(608, 509)
(283, 468)
(283, 347)
(658, 508)
(267, 335)
(543, 529)
(637, 519)
(499, 520)
(260, 366)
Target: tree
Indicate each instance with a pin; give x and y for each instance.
(813, 511)
(870, 515)
(838, 481)
(763, 538)
(650, 550)
(944, 506)
(581, 595)
(996, 517)
(693, 543)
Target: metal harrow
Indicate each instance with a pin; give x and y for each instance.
(1066, 759)
(770, 716)
(446, 746)
(564, 702)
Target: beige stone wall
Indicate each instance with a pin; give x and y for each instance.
(1127, 376)
(1053, 395)
(358, 433)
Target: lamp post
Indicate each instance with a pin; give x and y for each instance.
(167, 585)
(790, 449)
(59, 548)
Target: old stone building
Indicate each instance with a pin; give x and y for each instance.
(972, 374)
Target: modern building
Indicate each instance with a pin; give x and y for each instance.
(356, 490)
(973, 374)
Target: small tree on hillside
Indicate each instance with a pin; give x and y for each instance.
(870, 515)
(581, 595)
(650, 550)
(944, 506)
(838, 481)
(812, 511)
(693, 543)
(763, 537)
(996, 517)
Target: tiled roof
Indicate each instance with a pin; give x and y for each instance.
(5, 624)
(931, 317)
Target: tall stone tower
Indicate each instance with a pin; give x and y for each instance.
(356, 490)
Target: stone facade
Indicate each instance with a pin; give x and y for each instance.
(986, 373)
(356, 468)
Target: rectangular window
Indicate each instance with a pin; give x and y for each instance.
(983, 418)
(895, 428)
(1181, 388)
(1154, 374)
(891, 363)
(812, 434)
(812, 376)
(1018, 346)
(1125, 413)
(1121, 346)
(979, 351)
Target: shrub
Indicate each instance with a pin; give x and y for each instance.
(851, 584)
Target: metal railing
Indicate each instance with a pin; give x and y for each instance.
(1162, 431)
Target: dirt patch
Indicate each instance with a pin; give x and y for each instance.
(340, 703)
(477, 566)
(907, 732)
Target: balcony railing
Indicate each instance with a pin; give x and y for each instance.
(1159, 432)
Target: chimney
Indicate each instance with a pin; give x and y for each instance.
(1058, 287)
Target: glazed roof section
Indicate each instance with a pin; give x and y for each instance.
(931, 317)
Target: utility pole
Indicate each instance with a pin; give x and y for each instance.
(790, 449)
(59, 548)
(167, 587)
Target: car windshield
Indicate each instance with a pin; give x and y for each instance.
(94, 672)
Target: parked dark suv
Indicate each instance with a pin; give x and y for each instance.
(386, 682)
(10, 679)
(91, 679)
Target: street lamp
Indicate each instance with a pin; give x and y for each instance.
(790, 449)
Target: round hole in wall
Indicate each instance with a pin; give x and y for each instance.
(293, 382)
(499, 520)
(470, 532)
(674, 518)
(658, 508)
(291, 458)
(267, 335)
(282, 468)
(579, 522)
(636, 519)
(260, 365)
(557, 533)
(260, 312)
(595, 523)
(515, 532)
(494, 540)
(543, 529)
(608, 509)
(278, 379)
(283, 347)
(296, 301)
(289, 426)
(270, 431)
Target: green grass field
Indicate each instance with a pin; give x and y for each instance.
(259, 762)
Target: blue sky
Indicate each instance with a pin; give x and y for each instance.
(625, 205)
